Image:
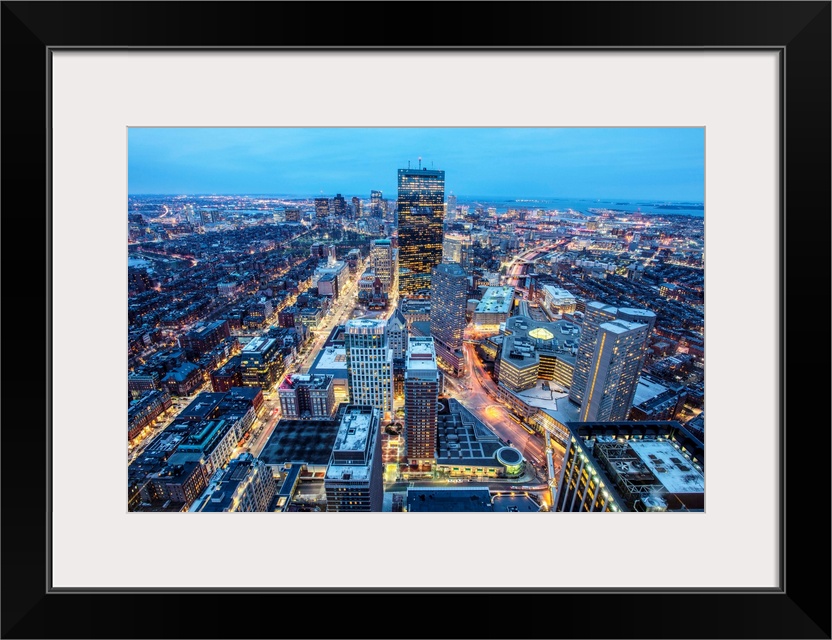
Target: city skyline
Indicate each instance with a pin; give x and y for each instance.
(665, 164)
(337, 354)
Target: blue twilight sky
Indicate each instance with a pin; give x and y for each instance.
(650, 163)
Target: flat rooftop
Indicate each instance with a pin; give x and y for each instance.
(496, 300)
(462, 438)
(331, 360)
(308, 441)
(365, 325)
(259, 345)
(310, 381)
(558, 293)
(421, 354)
(647, 390)
(353, 431)
(669, 465)
(620, 326)
(449, 499)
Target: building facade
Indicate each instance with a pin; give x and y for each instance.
(261, 363)
(369, 363)
(421, 400)
(353, 479)
(247, 485)
(381, 258)
(596, 314)
(421, 208)
(449, 299)
(614, 371)
(494, 308)
(307, 396)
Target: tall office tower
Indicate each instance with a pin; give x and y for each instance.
(340, 205)
(421, 208)
(356, 206)
(448, 301)
(397, 336)
(369, 363)
(457, 249)
(421, 400)
(321, 207)
(246, 485)
(614, 370)
(595, 315)
(450, 213)
(375, 203)
(353, 479)
(381, 257)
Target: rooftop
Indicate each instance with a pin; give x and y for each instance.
(462, 438)
(496, 300)
(307, 441)
(259, 345)
(310, 381)
(647, 389)
(331, 360)
(449, 499)
(669, 465)
(352, 453)
(354, 430)
(620, 326)
(558, 293)
(421, 354)
(365, 325)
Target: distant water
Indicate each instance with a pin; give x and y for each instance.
(665, 208)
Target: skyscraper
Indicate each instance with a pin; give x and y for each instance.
(381, 257)
(421, 208)
(375, 203)
(397, 339)
(421, 400)
(450, 214)
(448, 300)
(369, 363)
(595, 315)
(321, 207)
(614, 370)
(340, 205)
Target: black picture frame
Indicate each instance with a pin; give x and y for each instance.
(800, 31)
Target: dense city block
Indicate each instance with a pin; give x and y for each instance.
(420, 351)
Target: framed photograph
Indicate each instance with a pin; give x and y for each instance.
(80, 78)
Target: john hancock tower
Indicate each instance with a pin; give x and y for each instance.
(421, 211)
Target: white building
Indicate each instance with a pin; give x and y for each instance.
(558, 300)
(494, 308)
(370, 363)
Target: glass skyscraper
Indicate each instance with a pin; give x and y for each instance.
(421, 207)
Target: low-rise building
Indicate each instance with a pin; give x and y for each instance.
(307, 396)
